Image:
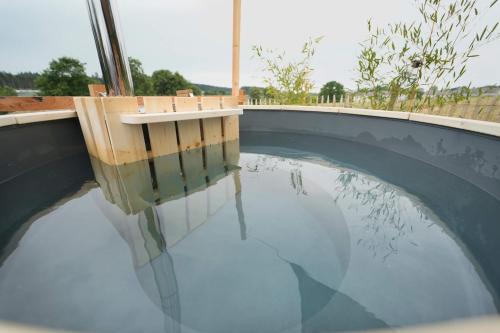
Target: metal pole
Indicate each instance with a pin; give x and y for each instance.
(110, 47)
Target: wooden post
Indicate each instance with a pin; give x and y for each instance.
(236, 46)
(231, 127)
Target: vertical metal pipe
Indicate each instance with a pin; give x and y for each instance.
(110, 47)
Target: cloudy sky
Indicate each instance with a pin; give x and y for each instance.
(194, 36)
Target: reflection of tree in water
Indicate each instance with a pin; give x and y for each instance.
(388, 217)
(270, 163)
(296, 181)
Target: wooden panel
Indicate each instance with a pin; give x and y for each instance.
(189, 130)
(97, 90)
(211, 103)
(136, 119)
(35, 117)
(127, 140)
(13, 104)
(183, 104)
(184, 93)
(83, 118)
(212, 128)
(236, 47)
(7, 120)
(162, 136)
(231, 124)
(95, 114)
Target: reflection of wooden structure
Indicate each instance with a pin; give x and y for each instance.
(161, 206)
(136, 186)
(115, 131)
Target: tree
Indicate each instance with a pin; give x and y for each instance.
(288, 81)
(332, 88)
(7, 91)
(23, 80)
(167, 83)
(142, 82)
(64, 77)
(434, 50)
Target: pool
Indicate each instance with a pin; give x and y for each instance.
(284, 231)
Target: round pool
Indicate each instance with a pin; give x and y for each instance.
(285, 231)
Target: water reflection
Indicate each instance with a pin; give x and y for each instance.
(286, 243)
(154, 191)
(388, 216)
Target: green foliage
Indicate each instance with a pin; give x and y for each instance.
(213, 90)
(167, 83)
(64, 77)
(7, 91)
(143, 85)
(24, 80)
(257, 93)
(288, 81)
(332, 88)
(408, 59)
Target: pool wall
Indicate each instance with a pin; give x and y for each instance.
(472, 156)
(48, 157)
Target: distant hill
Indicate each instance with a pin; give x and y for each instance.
(25, 80)
(213, 90)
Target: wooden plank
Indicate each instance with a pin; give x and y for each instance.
(35, 117)
(236, 47)
(97, 90)
(184, 93)
(127, 141)
(84, 121)
(137, 119)
(14, 104)
(212, 128)
(189, 130)
(7, 120)
(95, 114)
(162, 136)
(231, 124)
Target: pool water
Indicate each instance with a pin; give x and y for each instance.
(295, 234)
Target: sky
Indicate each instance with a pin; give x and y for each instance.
(194, 36)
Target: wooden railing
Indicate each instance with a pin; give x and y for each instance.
(485, 108)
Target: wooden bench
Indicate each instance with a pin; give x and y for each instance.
(113, 126)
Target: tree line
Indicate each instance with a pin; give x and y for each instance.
(67, 76)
